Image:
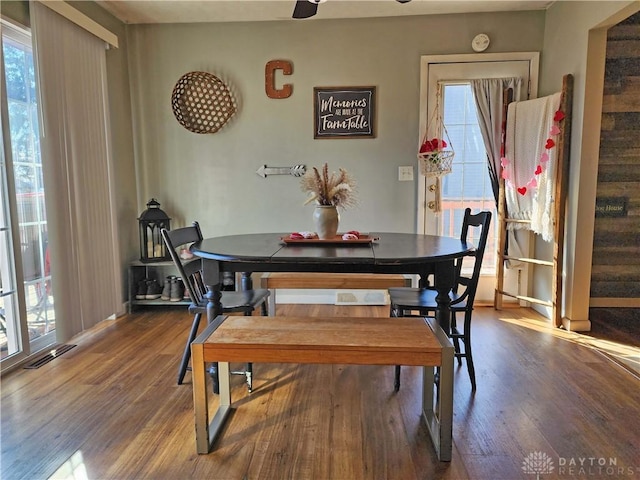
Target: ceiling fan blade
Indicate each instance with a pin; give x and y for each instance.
(305, 9)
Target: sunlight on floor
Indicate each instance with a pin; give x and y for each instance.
(626, 355)
(72, 469)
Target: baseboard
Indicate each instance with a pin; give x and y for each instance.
(362, 297)
(576, 325)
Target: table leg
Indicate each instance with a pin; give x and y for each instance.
(247, 282)
(214, 308)
(444, 281)
(211, 276)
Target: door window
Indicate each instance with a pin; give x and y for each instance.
(468, 184)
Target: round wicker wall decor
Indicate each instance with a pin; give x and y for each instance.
(202, 103)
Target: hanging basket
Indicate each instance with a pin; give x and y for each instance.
(436, 164)
(436, 152)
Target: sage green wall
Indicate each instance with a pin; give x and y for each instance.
(211, 178)
(18, 11)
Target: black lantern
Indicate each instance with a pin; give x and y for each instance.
(152, 220)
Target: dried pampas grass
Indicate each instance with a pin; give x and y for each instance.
(337, 189)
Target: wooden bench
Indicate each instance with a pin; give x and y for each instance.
(330, 281)
(325, 340)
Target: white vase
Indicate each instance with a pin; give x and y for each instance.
(326, 219)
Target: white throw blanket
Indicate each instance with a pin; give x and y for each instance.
(529, 166)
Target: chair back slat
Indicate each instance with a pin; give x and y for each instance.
(471, 224)
(190, 271)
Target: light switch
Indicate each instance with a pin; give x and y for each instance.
(405, 174)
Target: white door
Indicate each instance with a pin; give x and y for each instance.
(442, 201)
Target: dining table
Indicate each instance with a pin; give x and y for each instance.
(430, 257)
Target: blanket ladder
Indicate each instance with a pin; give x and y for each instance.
(562, 177)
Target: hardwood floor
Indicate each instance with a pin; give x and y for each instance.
(111, 406)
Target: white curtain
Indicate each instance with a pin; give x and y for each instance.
(85, 263)
(489, 97)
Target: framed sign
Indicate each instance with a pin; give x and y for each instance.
(344, 112)
(611, 206)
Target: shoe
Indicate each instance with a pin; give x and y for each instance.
(141, 293)
(154, 291)
(228, 281)
(166, 291)
(177, 290)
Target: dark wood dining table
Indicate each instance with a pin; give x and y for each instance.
(389, 253)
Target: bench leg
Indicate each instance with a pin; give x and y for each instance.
(200, 402)
(437, 410)
(272, 303)
(206, 433)
(220, 417)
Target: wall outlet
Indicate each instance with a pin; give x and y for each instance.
(405, 174)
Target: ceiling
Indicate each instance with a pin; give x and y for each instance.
(187, 11)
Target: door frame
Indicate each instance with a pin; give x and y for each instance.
(425, 62)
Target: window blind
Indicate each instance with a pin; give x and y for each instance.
(78, 178)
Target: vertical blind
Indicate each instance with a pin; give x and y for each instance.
(78, 178)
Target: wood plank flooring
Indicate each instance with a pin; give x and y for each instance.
(111, 407)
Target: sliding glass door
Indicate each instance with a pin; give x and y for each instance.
(28, 318)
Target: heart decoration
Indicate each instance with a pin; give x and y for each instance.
(558, 116)
(522, 190)
(538, 170)
(550, 144)
(533, 183)
(544, 158)
(554, 130)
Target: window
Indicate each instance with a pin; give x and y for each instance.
(24, 172)
(468, 184)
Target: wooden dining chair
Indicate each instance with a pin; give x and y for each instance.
(190, 271)
(422, 301)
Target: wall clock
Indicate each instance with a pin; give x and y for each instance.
(480, 42)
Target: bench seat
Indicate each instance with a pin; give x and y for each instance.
(325, 340)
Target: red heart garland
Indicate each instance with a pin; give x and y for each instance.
(555, 130)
